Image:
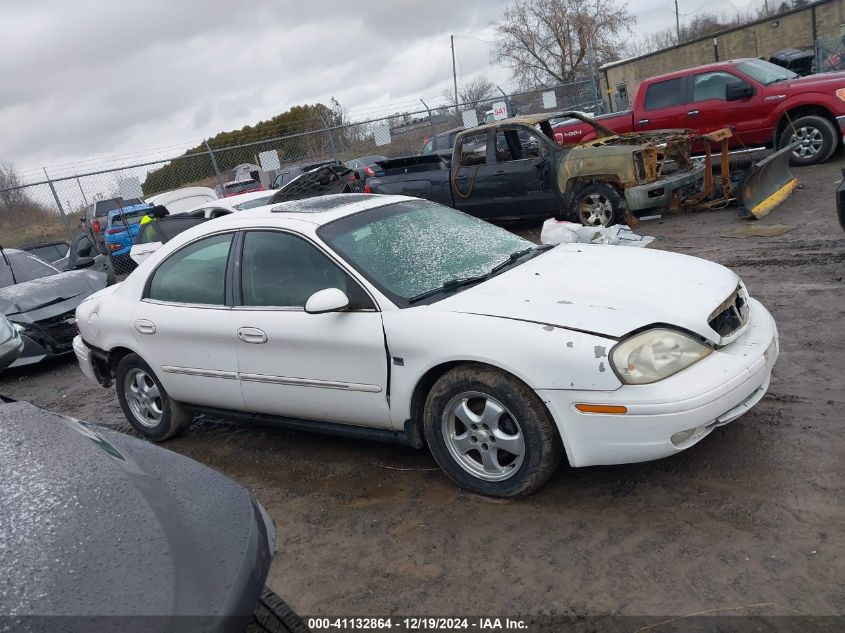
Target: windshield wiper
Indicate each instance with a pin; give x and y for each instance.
(454, 284)
(514, 257)
(447, 286)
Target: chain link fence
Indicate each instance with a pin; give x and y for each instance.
(830, 54)
(66, 206)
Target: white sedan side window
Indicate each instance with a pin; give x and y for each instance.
(194, 274)
(282, 270)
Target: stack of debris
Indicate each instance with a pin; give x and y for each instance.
(557, 232)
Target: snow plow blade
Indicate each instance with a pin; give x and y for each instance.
(766, 184)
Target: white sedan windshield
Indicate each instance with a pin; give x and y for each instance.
(413, 247)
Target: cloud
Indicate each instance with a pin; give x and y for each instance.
(101, 77)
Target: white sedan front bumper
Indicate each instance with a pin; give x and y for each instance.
(83, 356)
(713, 392)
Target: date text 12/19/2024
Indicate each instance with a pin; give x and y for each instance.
(401, 624)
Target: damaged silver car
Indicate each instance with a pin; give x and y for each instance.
(40, 301)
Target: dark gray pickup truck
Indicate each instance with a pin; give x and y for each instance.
(515, 170)
(495, 172)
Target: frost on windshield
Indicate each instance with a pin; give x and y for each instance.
(419, 246)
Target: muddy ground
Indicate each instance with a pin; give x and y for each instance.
(753, 514)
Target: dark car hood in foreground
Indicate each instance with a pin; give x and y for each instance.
(97, 523)
(54, 289)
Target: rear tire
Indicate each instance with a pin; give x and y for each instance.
(145, 402)
(818, 139)
(490, 433)
(599, 204)
(273, 615)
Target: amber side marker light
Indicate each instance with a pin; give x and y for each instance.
(602, 408)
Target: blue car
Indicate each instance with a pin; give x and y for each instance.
(123, 225)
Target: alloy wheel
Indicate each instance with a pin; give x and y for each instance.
(595, 210)
(143, 397)
(811, 141)
(483, 436)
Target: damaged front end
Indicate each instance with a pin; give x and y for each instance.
(47, 337)
(43, 312)
(757, 189)
(325, 180)
(656, 170)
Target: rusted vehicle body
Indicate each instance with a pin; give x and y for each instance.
(513, 169)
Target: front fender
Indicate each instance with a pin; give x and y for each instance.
(780, 116)
(540, 355)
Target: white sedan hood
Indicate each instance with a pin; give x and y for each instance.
(609, 290)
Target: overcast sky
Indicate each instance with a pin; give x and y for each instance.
(84, 80)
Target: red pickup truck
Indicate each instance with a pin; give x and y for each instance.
(762, 103)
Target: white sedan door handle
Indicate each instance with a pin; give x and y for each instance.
(145, 326)
(252, 335)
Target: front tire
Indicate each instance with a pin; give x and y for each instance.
(490, 433)
(599, 204)
(817, 136)
(145, 402)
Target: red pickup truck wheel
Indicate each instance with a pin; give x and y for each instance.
(817, 136)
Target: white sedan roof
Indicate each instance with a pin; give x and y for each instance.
(317, 211)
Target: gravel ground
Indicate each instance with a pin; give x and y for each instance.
(753, 514)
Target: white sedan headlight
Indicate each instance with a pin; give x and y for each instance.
(654, 355)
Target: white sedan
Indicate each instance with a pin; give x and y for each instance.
(397, 318)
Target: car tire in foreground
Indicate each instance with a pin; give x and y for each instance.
(599, 204)
(817, 136)
(273, 615)
(145, 402)
(490, 433)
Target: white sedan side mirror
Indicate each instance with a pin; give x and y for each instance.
(327, 300)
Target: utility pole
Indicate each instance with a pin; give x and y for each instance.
(59, 205)
(214, 166)
(331, 138)
(82, 191)
(454, 72)
(677, 24)
(427, 109)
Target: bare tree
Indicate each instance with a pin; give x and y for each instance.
(476, 91)
(701, 25)
(664, 38)
(472, 93)
(10, 194)
(548, 41)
